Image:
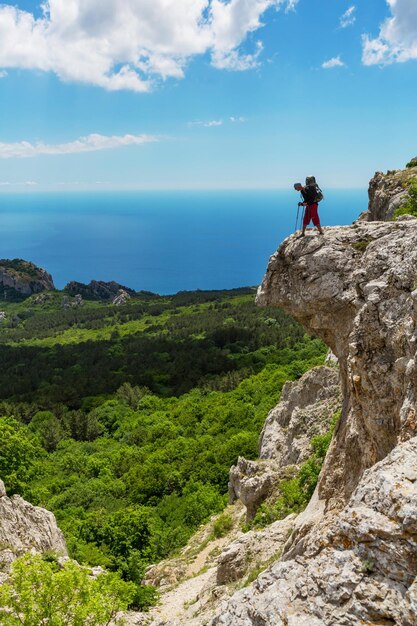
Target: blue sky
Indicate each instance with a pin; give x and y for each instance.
(150, 94)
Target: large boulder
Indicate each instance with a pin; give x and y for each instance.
(252, 550)
(24, 528)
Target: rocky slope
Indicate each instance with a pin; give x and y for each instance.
(357, 568)
(388, 191)
(24, 527)
(19, 279)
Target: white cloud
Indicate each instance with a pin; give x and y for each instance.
(348, 18)
(213, 123)
(125, 44)
(397, 39)
(3, 74)
(206, 124)
(334, 62)
(90, 143)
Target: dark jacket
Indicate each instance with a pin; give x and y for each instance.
(309, 194)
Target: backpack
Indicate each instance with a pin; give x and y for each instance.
(319, 194)
(311, 182)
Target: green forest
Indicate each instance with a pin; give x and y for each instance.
(125, 420)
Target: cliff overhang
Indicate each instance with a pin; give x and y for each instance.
(356, 288)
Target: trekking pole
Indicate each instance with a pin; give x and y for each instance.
(296, 221)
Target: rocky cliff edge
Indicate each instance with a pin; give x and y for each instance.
(352, 559)
(356, 288)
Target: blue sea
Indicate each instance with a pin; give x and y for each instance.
(159, 241)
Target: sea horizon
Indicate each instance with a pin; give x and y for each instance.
(160, 241)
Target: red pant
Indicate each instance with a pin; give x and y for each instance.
(311, 214)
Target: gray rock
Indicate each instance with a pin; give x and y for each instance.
(253, 549)
(121, 298)
(252, 482)
(353, 289)
(387, 192)
(23, 278)
(97, 290)
(357, 567)
(24, 527)
(306, 409)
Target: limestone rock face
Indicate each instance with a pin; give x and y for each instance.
(358, 567)
(305, 409)
(19, 279)
(386, 193)
(356, 288)
(24, 527)
(252, 549)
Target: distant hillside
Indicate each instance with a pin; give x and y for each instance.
(100, 290)
(20, 279)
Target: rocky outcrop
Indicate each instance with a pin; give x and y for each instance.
(121, 298)
(387, 192)
(252, 550)
(97, 290)
(358, 567)
(352, 557)
(306, 409)
(24, 527)
(356, 288)
(252, 482)
(67, 303)
(20, 279)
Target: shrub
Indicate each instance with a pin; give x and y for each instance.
(410, 206)
(222, 525)
(39, 592)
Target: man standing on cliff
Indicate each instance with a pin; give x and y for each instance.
(311, 203)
